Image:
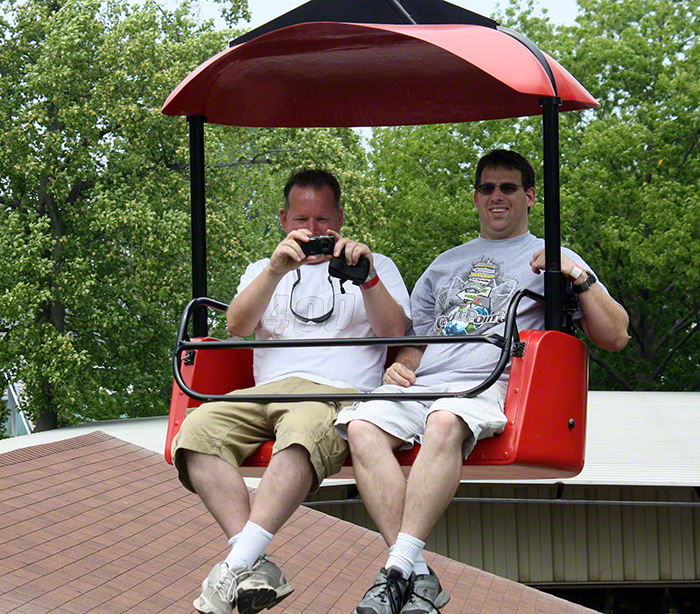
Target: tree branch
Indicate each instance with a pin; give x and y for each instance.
(609, 371)
(672, 352)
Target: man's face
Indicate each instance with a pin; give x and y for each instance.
(312, 209)
(503, 216)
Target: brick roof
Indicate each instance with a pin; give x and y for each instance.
(96, 525)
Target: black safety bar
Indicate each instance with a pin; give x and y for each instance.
(504, 342)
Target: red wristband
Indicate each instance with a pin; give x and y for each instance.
(371, 283)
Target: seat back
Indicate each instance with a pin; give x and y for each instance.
(216, 371)
(544, 438)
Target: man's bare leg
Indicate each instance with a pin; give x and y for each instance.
(379, 477)
(435, 474)
(222, 490)
(284, 487)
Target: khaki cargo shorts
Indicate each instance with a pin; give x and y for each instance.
(233, 431)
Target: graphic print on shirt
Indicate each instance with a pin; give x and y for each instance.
(477, 303)
(279, 316)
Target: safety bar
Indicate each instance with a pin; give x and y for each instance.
(504, 342)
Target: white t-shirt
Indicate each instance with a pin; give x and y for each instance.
(360, 367)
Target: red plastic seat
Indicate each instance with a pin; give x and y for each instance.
(545, 437)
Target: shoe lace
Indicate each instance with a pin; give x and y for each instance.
(388, 595)
(228, 583)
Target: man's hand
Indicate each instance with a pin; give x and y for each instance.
(353, 250)
(403, 371)
(604, 320)
(399, 375)
(288, 255)
(538, 263)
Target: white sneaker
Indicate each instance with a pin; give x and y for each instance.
(219, 589)
(265, 587)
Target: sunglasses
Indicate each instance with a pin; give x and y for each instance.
(507, 188)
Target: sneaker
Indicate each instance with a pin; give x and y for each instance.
(425, 595)
(219, 589)
(386, 595)
(265, 587)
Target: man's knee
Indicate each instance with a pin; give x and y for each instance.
(445, 428)
(367, 439)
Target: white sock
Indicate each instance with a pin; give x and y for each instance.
(248, 545)
(404, 553)
(420, 567)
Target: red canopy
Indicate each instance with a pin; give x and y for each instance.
(346, 74)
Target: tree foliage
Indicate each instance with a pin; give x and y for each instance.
(627, 185)
(94, 201)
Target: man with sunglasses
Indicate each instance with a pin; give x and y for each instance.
(465, 290)
(287, 296)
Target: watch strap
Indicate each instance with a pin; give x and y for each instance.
(585, 285)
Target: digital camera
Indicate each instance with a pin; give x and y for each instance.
(319, 244)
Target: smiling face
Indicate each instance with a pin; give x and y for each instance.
(503, 216)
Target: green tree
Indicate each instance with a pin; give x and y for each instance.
(627, 178)
(94, 194)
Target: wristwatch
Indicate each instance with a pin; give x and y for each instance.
(583, 286)
(370, 276)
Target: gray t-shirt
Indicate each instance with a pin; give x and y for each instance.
(466, 291)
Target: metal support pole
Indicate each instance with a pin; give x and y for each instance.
(553, 280)
(198, 216)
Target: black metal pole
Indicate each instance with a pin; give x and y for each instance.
(198, 214)
(553, 280)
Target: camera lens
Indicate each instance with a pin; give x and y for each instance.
(326, 245)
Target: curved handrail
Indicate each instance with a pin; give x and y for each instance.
(505, 342)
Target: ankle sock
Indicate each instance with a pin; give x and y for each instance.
(248, 545)
(420, 567)
(404, 553)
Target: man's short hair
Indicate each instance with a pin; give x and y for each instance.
(511, 160)
(312, 178)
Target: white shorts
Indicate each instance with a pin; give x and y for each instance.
(406, 420)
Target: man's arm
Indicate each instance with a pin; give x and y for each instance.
(385, 315)
(403, 371)
(604, 320)
(247, 308)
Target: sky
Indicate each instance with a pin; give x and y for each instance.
(560, 11)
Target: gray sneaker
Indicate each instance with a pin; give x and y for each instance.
(264, 588)
(219, 589)
(386, 595)
(425, 595)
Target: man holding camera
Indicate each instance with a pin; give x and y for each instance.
(466, 290)
(288, 296)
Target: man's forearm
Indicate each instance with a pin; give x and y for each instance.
(410, 356)
(604, 321)
(247, 309)
(385, 315)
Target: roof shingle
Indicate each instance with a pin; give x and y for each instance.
(96, 525)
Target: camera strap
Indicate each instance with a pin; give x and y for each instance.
(321, 318)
